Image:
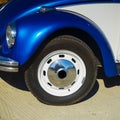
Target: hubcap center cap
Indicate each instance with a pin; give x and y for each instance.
(62, 74)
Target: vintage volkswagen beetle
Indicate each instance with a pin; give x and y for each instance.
(57, 43)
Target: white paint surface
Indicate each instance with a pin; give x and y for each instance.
(107, 17)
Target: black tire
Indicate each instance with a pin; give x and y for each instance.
(64, 43)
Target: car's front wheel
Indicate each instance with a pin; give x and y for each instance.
(63, 73)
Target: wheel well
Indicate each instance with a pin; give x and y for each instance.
(68, 31)
(81, 35)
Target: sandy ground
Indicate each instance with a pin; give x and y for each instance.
(17, 103)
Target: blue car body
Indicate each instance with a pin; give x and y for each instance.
(36, 20)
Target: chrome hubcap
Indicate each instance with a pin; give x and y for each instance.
(61, 73)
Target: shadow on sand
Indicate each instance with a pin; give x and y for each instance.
(17, 80)
(108, 82)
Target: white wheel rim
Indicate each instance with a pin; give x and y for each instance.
(61, 73)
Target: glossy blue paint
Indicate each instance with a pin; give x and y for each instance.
(30, 36)
(33, 28)
(13, 10)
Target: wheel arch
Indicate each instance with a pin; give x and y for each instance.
(85, 37)
(91, 42)
(56, 23)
